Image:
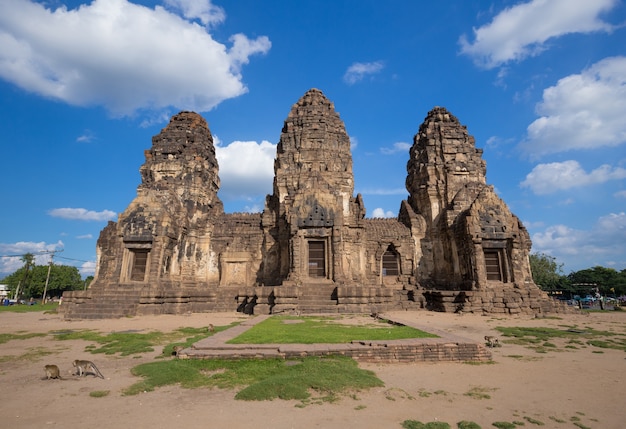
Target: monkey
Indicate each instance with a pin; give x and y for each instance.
(84, 366)
(52, 371)
(492, 341)
(211, 327)
(176, 350)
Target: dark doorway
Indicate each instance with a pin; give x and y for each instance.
(140, 260)
(390, 262)
(493, 264)
(317, 259)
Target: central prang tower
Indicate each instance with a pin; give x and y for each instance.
(312, 206)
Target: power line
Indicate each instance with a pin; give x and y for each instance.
(72, 259)
(40, 252)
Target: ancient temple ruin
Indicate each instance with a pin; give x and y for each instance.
(454, 245)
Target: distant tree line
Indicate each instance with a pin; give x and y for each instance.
(31, 280)
(548, 275)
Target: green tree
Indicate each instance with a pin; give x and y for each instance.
(607, 280)
(547, 273)
(62, 278)
(88, 281)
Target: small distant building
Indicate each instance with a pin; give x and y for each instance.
(4, 291)
(454, 246)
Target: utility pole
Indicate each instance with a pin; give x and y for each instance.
(45, 289)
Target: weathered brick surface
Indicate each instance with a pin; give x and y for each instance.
(174, 250)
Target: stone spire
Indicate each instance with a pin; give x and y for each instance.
(443, 161)
(313, 155)
(182, 163)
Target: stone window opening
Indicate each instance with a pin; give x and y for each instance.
(390, 262)
(317, 259)
(139, 263)
(495, 264)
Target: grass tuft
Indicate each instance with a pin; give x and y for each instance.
(414, 424)
(534, 421)
(479, 392)
(464, 424)
(504, 425)
(8, 337)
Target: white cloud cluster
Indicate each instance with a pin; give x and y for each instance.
(582, 111)
(10, 263)
(558, 176)
(357, 71)
(597, 246)
(380, 212)
(395, 148)
(122, 55)
(522, 31)
(207, 13)
(246, 168)
(87, 268)
(82, 214)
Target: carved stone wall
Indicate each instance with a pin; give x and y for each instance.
(454, 246)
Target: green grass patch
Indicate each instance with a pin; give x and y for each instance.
(464, 424)
(479, 392)
(262, 379)
(504, 425)
(534, 421)
(99, 393)
(540, 339)
(8, 337)
(312, 330)
(50, 307)
(129, 343)
(33, 354)
(414, 424)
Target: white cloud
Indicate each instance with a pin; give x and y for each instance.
(397, 147)
(581, 249)
(87, 268)
(522, 31)
(122, 55)
(82, 214)
(203, 10)
(379, 212)
(582, 111)
(620, 194)
(87, 137)
(357, 71)
(557, 176)
(354, 142)
(11, 253)
(84, 237)
(246, 168)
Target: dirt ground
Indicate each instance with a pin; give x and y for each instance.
(567, 388)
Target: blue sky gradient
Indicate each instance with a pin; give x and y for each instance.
(540, 84)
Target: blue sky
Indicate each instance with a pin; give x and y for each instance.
(540, 84)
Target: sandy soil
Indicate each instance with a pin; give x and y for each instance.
(586, 385)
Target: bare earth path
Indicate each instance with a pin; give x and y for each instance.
(586, 385)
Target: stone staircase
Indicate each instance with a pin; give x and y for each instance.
(318, 298)
(110, 303)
